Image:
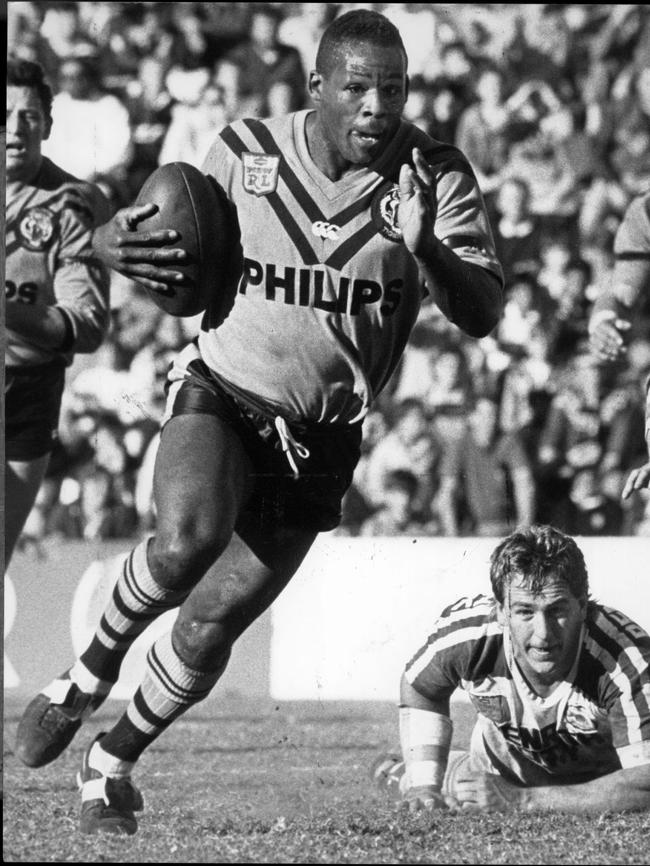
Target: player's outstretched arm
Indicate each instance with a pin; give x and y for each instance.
(145, 256)
(425, 737)
(468, 295)
(621, 791)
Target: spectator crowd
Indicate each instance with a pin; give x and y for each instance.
(551, 105)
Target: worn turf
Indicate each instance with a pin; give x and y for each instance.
(262, 782)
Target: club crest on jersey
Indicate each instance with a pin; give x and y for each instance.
(36, 228)
(384, 212)
(260, 172)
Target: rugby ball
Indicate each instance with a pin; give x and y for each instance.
(195, 206)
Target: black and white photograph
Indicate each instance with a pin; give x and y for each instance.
(326, 420)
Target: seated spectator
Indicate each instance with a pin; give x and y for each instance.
(419, 108)
(517, 233)
(526, 309)
(195, 123)
(478, 475)
(446, 103)
(570, 315)
(91, 132)
(591, 510)
(450, 393)
(482, 132)
(398, 513)
(266, 68)
(570, 439)
(409, 444)
(303, 28)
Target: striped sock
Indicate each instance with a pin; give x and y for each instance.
(170, 687)
(135, 602)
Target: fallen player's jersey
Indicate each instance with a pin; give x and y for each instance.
(595, 722)
(632, 247)
(329, 293)
(49, 260)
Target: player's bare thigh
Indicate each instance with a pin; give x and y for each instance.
(202, 479)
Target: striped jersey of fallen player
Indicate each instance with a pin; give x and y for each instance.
(595, 722)
(325, 270)
(49, 261)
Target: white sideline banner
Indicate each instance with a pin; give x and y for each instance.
(344, 628)
(359, 608)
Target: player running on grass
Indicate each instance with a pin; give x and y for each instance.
(348, 216)
(611, 318)
(56, 290)
(560, 683)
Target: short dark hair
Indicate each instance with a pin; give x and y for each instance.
(538, 553)
(359, 25)
(26, 73)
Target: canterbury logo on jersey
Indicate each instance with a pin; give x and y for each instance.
(307, 287)
(325, 230)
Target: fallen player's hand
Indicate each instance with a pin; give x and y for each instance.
(144, 256)
(424, 798)
(488, 792)
(637, 480)
(606, 339)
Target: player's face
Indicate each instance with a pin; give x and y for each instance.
(360, 101)
(544, 629)
(27, 127)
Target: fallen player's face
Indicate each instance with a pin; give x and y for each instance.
(544, 629)
(360, 102)
(27, 126)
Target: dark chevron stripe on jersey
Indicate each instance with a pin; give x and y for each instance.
(349, 248)
(268, 145)
(309, 257)
(620, 659)
(297, 189)
(633, 255)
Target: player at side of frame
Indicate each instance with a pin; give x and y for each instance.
(56, 289)
(348, 215)
(560, 684)
(612, 317)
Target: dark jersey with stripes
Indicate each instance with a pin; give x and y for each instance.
(596, 721)
(49, 260)
(329, 293)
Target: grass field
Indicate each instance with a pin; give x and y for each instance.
(261, 782)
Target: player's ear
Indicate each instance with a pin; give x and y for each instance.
(315, 85)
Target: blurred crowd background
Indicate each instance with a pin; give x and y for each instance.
(550, 103)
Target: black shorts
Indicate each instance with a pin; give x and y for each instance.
(32, 407)
(312, 500)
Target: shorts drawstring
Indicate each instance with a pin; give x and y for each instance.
(289, 444)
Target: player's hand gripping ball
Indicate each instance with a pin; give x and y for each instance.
(195, 206)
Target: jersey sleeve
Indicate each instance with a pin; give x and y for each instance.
(461, 220)
(624, 654)
(459, 637)
(81, 281)
(632, 251)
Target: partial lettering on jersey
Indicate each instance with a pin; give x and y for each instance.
(49, 261)
(325, 271)
(598, 718)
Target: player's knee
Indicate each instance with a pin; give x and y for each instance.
(180, 560)
(202, 645)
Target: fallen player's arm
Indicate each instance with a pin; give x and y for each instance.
(425, 736)
(623, 790)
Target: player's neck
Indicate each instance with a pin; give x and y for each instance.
(325, 157)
